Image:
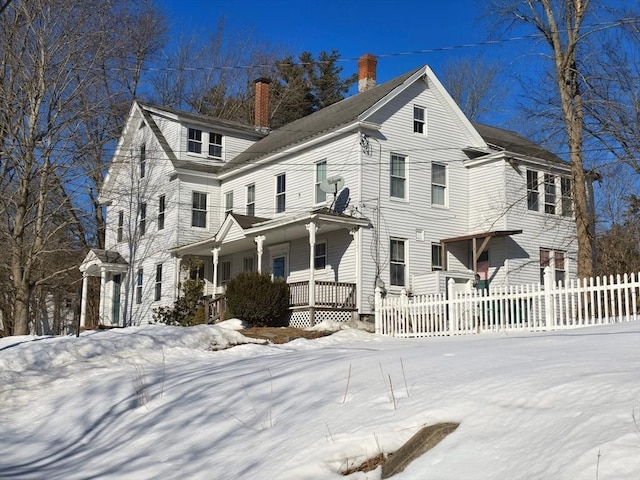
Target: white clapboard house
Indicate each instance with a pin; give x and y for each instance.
(392, 187)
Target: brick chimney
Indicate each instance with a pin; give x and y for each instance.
(367, 72)
(262, 104)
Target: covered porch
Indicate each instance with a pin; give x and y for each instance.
(317, 253)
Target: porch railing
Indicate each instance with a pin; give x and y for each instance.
(334, 295)
(526, 307)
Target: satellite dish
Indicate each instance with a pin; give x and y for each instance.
(332, 184)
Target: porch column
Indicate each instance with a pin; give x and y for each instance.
(259, 247)
(355, 233)
(215, 251)
(83, 301)
(103, 293)
(176, 287)
(312, 228)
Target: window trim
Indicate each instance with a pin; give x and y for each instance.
(320, 257)
(143, 160)
(195, 142)
(319, 195)
(228, 203)
(143, 219)
(420, 124)
(550, 194)
(533, 190)
(162, 205)
(281, 195)
(398, 262)
(157, 295)
(120, 229)
(439, 265)
(139, 285)
(250, 203)
(199, 211)
(443, 186)
(392, 177)
(213, 136)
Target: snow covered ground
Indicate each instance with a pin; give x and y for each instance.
(162, 403)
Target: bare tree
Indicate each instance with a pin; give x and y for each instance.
(563, 26)
(50, 51)
(473, 84)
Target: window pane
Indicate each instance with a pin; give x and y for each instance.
(278, 267)
(439, 174)
(321, 174)
(397, 168)
(397, 187)
(436, 256)
(215, 145)
(437, 195)
(532, 190)
(320, 260)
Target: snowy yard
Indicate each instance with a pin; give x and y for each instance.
(162, 403)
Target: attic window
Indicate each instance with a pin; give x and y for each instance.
(419, 120)
(194, 143)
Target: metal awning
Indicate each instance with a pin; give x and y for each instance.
(486, 236)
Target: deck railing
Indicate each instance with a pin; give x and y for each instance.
(333, 295)
(551, 306)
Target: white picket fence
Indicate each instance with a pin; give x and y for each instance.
(551, 306)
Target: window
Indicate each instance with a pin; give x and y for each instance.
(143, 160)
(321, 174)
(143, 218)
(228, 203)
(549, 193)
(120, 226)
(397, 176)
(565, 192)
(281, 187)
(397, 265)
(278, 269)
(438, 184)
(251, 200)
(199, 210)
(225, 272)
(161, 210)
(139, 287)
(320, 255)
(419, 120)
(158, 289)
(196, 272)
(436, 257)
(215, 145)
(248, 264)
(532, 190)
(554, 259)
(194, 141)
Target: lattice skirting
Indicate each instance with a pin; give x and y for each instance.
(302, 318)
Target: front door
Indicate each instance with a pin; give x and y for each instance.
(279, 266)
(115, 306)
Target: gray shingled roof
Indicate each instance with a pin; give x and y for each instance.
(322, 121)
(247, 221)
(108, 256)
(515, 143)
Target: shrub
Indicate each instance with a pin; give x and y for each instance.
(258, 300)
(187, 310)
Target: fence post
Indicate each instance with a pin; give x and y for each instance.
(452, 314)
(549, 312)
(404, 306)
(377, 313)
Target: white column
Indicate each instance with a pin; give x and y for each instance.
(176, 287)
(83, 303)
(355, 233)
(103, 296)
(312, 228)
(216, 254)
(259, 247)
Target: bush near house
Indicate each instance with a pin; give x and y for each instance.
(187, 310)
(257, 299)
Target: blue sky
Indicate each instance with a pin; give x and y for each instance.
(392, 30)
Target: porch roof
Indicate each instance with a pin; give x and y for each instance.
(237, 232)
(98, 260)
(489, 234)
